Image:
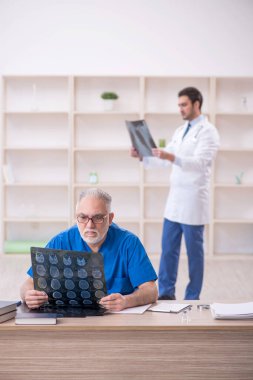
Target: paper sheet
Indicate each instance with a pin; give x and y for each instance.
(133, 310)
(232, 311)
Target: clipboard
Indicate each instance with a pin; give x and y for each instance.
(166, 307)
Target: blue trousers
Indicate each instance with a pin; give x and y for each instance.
(171, 244)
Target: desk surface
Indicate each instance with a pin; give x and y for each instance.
(122, 346)
(199, 320)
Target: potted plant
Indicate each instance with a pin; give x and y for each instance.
(109, 99)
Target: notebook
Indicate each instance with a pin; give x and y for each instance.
(74, 281)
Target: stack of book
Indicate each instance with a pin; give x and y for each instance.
(232, 310)
(7, 310)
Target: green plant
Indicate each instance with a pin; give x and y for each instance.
(109, 95)
(238, 178)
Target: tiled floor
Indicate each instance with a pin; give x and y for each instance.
(225, 280)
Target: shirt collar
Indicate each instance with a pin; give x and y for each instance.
(197, 120)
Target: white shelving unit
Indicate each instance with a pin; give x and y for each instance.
(55, 131)
(233, 176)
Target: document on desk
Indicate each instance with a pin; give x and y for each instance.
(133, 310)
(232, 310)
(165, 307)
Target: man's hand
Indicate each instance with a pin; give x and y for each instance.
(160, 153)
(114, 302)
(134, 153)
(35, 298)
(146, 293)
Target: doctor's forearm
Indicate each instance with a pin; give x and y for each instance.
(167, 156)
(142, 296)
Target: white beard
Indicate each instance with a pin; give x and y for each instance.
(93, 240)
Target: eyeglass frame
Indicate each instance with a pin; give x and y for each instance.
(88, 218)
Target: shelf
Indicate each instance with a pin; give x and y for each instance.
(154, 202)
(156, 185)
(162, 113)
(106, 113)
(233, 204)
(116, 167)
(35, 220)
(56, 131)
(87, 92)
(36, 131)
(236, 237)
(153, 220)
(231, 165)
(129, 210)
(161, 93)
(233, 185)
(106, 184)
(37, 230)
(228, 129)
(121, 220)
(34, 184)
(236, 150)
(234, 114)
(37, 148)
(233, 221)
(37, 94)
(234, 95)
(32, 112)
(104, 131)
(22, 246)
(103, 149)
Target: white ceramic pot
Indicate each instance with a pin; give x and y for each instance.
(109, 104)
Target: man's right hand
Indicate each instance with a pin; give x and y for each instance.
(134, 153)
(35, 298)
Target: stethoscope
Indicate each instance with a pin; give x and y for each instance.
(197, 132)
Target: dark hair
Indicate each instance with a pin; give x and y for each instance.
(193, 94)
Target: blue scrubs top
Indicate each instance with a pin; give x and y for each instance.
(126, 263)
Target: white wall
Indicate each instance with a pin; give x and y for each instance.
(149, 37)
(160, 37)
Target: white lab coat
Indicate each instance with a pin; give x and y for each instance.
(188, 199)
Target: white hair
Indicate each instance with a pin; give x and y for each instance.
(95, 192)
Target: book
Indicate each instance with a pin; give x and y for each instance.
(35, 319)
(165, 307)
(232, 311)
(141, 137)
(7, 316)
(8, 306)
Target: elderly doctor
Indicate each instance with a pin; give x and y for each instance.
(191, 151)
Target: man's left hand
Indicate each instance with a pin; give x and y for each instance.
(160, 153)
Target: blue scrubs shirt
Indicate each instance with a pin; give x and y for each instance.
(126, 263)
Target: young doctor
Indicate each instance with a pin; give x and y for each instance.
(191, 151)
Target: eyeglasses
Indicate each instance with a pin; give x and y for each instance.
(96, 219)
